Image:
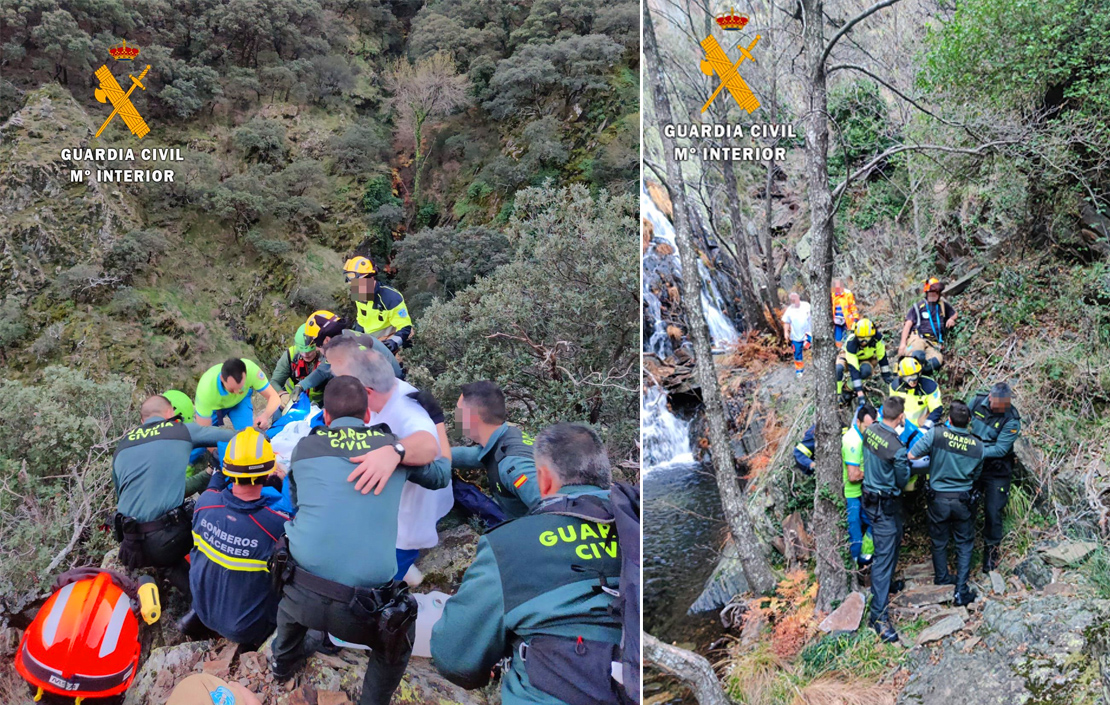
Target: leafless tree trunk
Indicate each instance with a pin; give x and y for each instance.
(691, 669)
(750, 302)
(831, 575)
(757, 570)
(769, 271)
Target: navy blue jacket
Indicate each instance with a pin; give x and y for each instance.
(232, 540)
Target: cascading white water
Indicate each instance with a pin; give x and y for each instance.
(666, 438)
(721, 330)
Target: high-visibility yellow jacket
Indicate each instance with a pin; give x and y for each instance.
(922, 402)
(386, 308)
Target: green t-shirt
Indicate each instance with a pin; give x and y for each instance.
(211, 395)
(851, 451)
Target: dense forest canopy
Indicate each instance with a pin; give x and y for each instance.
(483, 153)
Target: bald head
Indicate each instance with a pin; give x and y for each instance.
(795, 298)
(157, 405)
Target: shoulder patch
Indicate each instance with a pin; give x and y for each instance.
(261, 375)
(402, 313)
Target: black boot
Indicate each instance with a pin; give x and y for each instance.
(284, 672)
(965, 597)
(191, 626)
(884, 629)
(897, 586)
(948, 579)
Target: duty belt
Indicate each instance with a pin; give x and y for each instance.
(880, 495)
(952, 495)
(338, 591)
(178, 515)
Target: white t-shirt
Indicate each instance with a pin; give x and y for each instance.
(420, 507)
(798, 318)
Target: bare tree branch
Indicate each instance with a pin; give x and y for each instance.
(867, 168)
(852, 23)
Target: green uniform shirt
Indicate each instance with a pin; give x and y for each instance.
(522, 585)
(510, 469)
(212, 396)
(955, 458)
(851, 452)
(997, 431)
(148, 470)
(339, 533)
(886, 470)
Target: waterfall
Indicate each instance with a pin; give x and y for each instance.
(666, 438)
(721, 330)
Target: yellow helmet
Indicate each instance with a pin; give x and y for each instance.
(358, 267)
(908, 367)
(249, 456)
(316, 323)
(865, 328)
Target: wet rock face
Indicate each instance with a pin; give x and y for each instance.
(1044, 649)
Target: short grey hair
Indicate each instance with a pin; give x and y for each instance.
(347, 356)
(1001, 390)
(574, 453)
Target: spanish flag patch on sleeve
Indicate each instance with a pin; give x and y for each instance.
(520, 481)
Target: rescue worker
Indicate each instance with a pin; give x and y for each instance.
(381, 309)
(996, 422)
(320, 328)
(398, 405)
(504, 451)
(845, 313)
(851, 454)
(926, 327)
(803, 452)
(797, 327)
(297, 363)
(148, 473)
(536, 590)
(886, 471)
(235, 531)
(342, 583)
(861, 347)
(183, 410)
(955, 460)
(921, 395)
(226, 391)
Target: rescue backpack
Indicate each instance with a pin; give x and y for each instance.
(623, 512)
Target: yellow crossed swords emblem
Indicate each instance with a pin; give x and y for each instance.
(110, 91)
(717, 61)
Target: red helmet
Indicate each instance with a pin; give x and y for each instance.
(83, 643)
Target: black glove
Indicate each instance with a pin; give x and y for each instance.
(428, 401)
(391, 344)
(294, 394)
(889, 379)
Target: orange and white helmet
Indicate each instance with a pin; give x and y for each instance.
(83, 643)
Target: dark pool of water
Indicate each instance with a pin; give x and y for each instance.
(683, 514)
